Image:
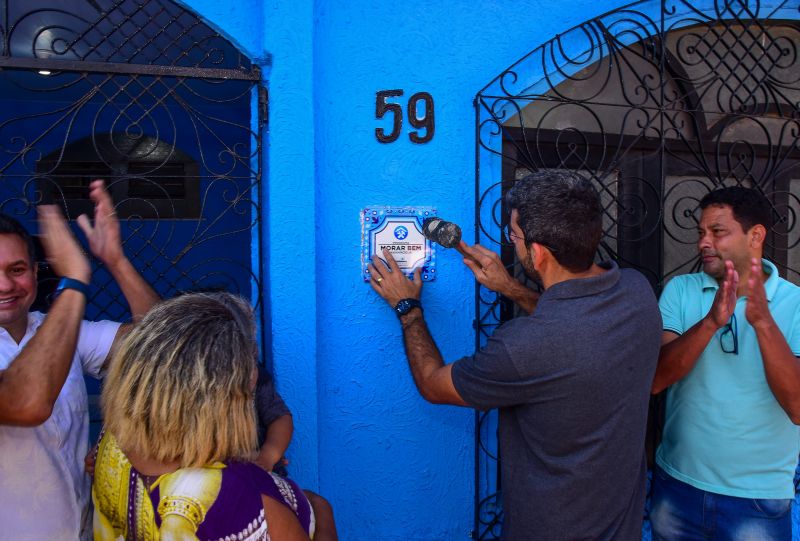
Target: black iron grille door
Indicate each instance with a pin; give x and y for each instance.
(658, 103)
(145, 95)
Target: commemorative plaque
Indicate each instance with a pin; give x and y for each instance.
(399, 230)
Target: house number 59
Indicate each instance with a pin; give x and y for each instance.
(420, 116)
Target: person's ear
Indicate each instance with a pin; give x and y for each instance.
(757, 234)
(540, 252)
(534, 249)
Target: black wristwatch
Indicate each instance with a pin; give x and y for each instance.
(406, 305)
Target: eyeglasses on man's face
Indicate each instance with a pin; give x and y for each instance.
(513, 237)
(729, 338)
(510, 235)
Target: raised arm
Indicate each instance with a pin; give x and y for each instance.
(781, 367)
(432, 377)
(106, 245)
(679, 353)
(490, 272)
(31, 384)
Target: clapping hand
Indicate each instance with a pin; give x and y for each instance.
(757, 311)
(725, 300)
(104, 236)
(62, 250)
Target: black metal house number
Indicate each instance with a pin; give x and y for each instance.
(423, 121)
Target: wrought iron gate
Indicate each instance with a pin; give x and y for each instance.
(658, 102)
(145, 95)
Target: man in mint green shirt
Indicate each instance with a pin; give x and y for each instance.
(729, 362)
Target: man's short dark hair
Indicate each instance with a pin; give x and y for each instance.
(561, 210)
(10, 226)
(749, 206)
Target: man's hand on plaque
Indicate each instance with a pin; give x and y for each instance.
(390, 283)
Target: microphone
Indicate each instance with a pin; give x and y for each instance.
(446, 234)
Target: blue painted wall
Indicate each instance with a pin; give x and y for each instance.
(393, 466)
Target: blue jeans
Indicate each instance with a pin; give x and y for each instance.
(681, 512)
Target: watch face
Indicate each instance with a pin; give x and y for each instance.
(404, 306)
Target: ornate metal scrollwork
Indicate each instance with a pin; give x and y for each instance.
(171, 114)
(657, 102)
(136, 32)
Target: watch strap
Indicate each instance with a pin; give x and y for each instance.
(404, 306)
(71, 283)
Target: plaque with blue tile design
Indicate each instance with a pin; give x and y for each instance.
(399, 230)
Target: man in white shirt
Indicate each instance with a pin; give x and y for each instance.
(44, 423)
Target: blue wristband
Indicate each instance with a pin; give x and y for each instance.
(71, 283)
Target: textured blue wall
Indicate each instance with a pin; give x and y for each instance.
(393, 466)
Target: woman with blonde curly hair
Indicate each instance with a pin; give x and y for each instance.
(180, 431)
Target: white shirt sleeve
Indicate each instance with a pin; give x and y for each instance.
(94, 343)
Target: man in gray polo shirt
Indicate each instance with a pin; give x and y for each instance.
(571, 380)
